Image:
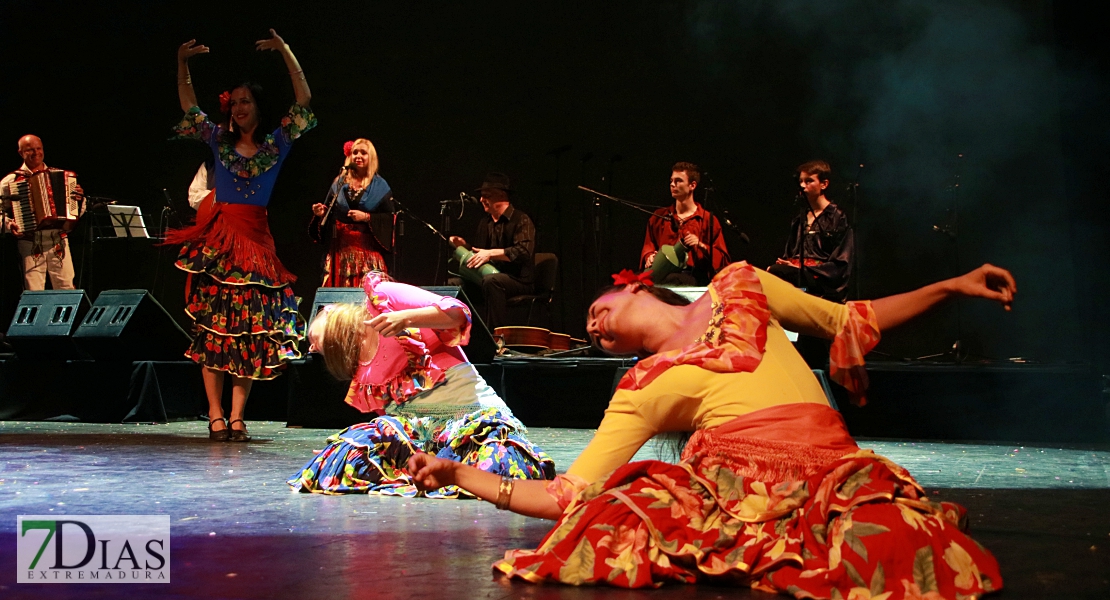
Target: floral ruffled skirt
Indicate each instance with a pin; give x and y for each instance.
(372, 457)
(349, 266)
(856, 526)
(239, 297)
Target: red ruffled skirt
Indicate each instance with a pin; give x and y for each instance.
(238, 294)
(353, 254)
(749, 505)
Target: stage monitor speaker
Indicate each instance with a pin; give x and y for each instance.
(43, 324)
(335, 295)
(130, 325)
(481, 348)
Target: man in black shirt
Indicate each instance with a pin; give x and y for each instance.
(506, 238)
(818, 254)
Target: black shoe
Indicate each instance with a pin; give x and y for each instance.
(239, 435)
(222, 435)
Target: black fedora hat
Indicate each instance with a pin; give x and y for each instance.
(496, 181)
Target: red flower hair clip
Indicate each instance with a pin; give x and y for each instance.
(225, 101)
(347, 148)
(630, 277)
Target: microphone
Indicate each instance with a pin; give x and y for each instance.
(465, 197)
(169, 202)
(727, 219)
(349, 167)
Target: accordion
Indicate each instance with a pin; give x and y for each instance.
(44, 199)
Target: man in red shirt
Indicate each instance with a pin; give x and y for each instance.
(688, 222)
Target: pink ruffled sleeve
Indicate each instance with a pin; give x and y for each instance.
(858, 336)
(565, 488)
(386, 296)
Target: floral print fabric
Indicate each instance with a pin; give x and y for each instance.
(735, 339)
(196, 125)
(854, 527)
(244, 311)
(372, 457)
(858, 336)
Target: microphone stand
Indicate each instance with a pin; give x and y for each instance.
(93, 203)
(403, 210)
(952, 230)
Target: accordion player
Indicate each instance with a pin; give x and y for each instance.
(45, 199)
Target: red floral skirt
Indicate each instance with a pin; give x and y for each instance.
(238, 294)
(353, 253)
(780, 516)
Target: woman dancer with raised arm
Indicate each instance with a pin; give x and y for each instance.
(771, 491)
(354, 247)
(402, 353)
(239, 294)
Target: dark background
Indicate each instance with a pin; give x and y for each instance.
(748, 90)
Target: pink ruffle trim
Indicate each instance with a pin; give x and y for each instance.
(736, 338)
(858, 336)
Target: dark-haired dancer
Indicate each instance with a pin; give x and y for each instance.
(688, 222)
(772, 492)
(239, 294)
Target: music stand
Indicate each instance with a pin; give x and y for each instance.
(126, 222)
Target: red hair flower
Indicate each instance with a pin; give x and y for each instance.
(225, 101)
(347, 148)
(629, 277)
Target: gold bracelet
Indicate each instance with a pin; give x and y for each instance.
(505, 492)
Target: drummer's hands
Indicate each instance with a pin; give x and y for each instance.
(274, 43)
(779, 261)
(990, 282)
(431, 473)
(457, 241)
(390, 324)
(649, 260)
(358, 216)
(319, 209)
(691, 241)
(190, 49)
(479, 258)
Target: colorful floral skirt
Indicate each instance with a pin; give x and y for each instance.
(349, 266)
(353, 252)
(372, 457)
(751, 512)
(239, 296)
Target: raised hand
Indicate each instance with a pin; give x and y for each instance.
(431, 473)
(190, 49)
(274, 43)
(990, 282)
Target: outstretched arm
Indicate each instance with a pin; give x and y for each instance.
(185, 92)
(988, 281)
(529, 496)
(798, 311)
(296, 73)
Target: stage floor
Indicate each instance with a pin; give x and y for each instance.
(239, 532)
